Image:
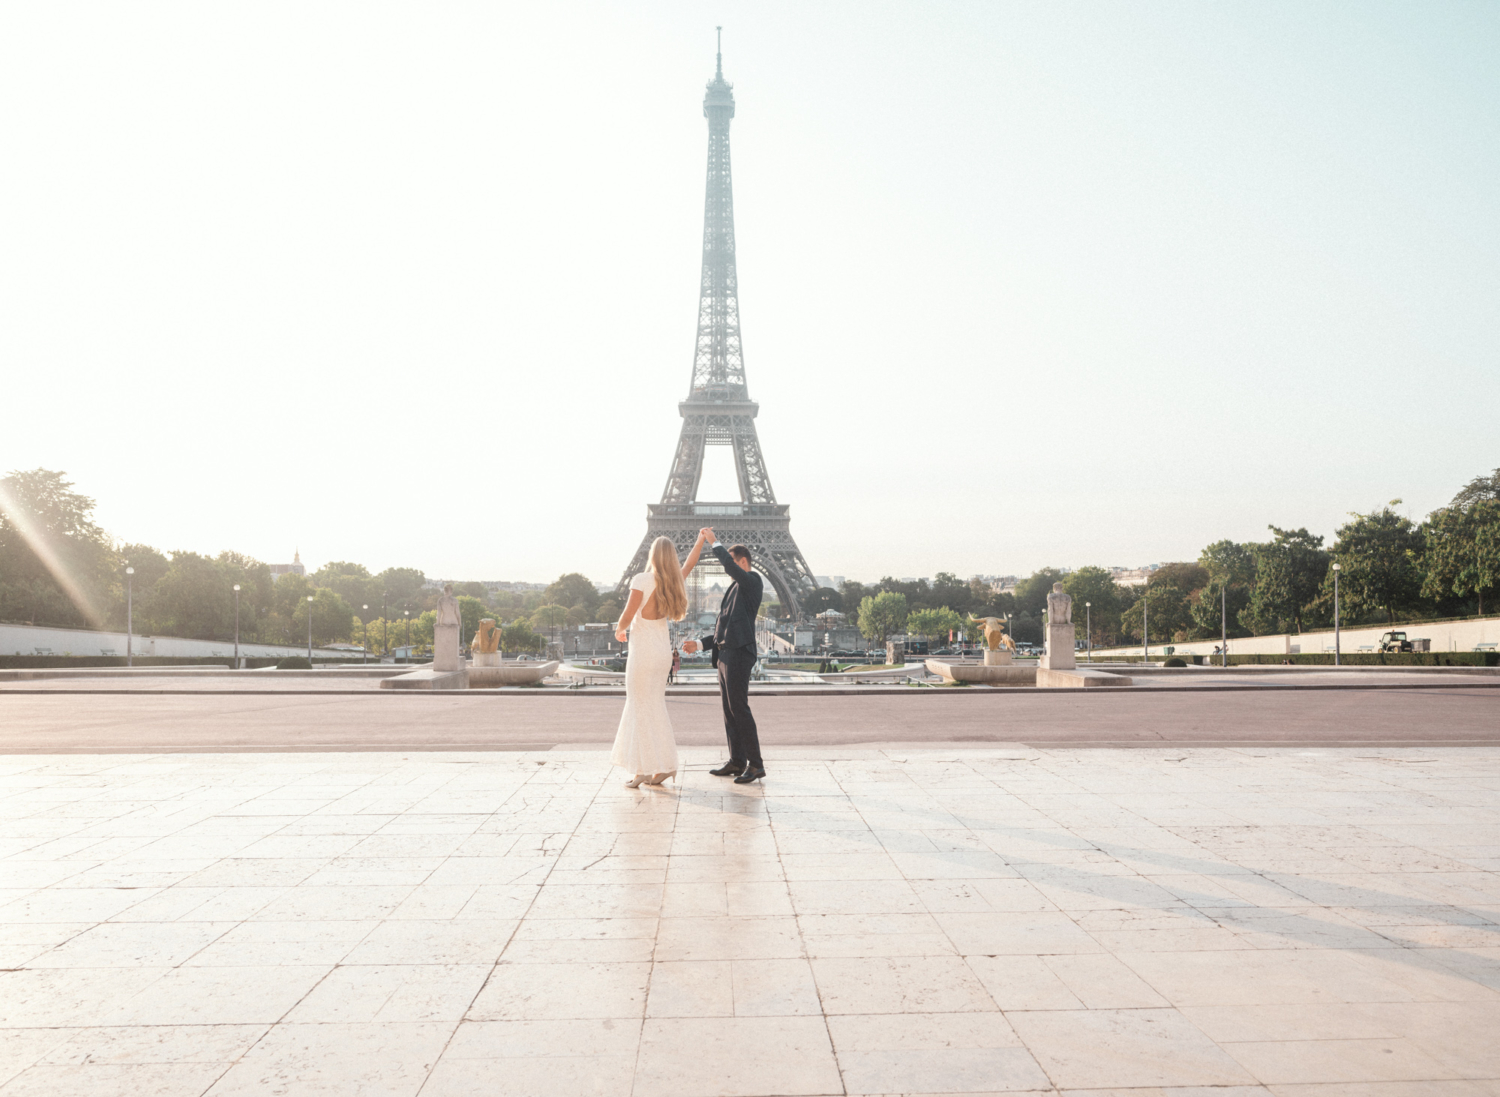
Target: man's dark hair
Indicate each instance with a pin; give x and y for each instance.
(740, 551)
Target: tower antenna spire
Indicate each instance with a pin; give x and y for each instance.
(719, 55)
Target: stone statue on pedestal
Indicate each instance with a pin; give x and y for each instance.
(1059, 654)
(998, 647)
(445, 632)
(486, 644)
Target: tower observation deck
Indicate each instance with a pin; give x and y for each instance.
(718, 410)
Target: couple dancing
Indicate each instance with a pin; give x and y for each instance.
(644, 745)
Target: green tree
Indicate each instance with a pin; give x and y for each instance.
(573, 589)
(1380, 555)
(150, 566)
(401, 587)
(951, 591)
(1185, 577)
(824, 598)
(1462, 551)
(423, 625)
(288, 595)
(1096, 586)
(551, 617)
(1213, 617)
(882, 614)
(378, 634)
(1170, 615)
(1217, 607)
(518, 636)
(473, 590)
(56, 565)
(608, 611)
(1289, 571)
(332, 620)
(470, 610)
(256, 590)
(935, 624)
(1478, 490)
(917, 592)
(195, 598)
(990, 603)
(853, 595)
(351, 582)
(1026, 628)
(1229, 562)
(1031, 592)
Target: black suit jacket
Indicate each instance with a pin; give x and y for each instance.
(735, 627)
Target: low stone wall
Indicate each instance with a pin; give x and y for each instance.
(1447, 637)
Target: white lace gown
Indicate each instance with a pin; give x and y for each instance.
(644, 742)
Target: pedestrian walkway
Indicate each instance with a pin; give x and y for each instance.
(1318, 923)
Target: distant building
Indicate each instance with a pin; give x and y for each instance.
(1133, 577)
(294, 568)
(833, 582)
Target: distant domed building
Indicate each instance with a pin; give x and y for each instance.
(294, 568)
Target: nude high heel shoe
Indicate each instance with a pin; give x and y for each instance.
(636, 780)
(660, 778)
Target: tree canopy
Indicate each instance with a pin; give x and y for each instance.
(56, 565)
(1379, 556)
(882, 614)
(1289, 571)
(935, 624)
(1462, 551)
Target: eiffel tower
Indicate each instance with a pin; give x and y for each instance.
(718, 410)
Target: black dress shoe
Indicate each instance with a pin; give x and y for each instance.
(729, 769)
(752, 773)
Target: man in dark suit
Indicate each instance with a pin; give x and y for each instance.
(732, 644)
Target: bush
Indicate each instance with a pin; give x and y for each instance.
(294, 662)
(1376, 658)
(1174, 662)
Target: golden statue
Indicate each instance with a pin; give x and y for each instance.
(994, 633)
(487, 640)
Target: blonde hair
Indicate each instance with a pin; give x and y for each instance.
(666, 569)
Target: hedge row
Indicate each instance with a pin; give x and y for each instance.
(1373, 659)
(35, 662)
(1325, 658)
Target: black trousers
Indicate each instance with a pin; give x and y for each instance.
(734, 691)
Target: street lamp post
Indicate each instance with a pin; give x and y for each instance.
(1146, 626)
(364, 624)
(309, 630)
(236, 626)
(385, 629)
(1224, 624)
(1336, 569)
(129, 623)
(1088, 627)
(406, 631)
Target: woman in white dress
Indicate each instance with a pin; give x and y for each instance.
(644, 744)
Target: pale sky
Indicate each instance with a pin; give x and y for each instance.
(1021, 284)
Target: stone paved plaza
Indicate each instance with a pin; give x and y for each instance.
(999, 919)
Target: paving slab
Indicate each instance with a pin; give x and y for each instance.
(903, 919)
